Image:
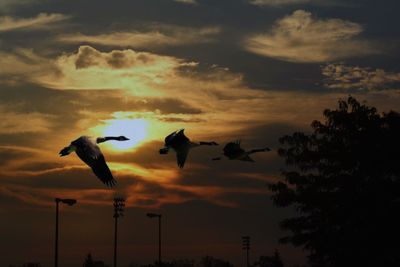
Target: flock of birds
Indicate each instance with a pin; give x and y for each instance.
(89, 152)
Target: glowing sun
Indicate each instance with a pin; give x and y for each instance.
(135, 130)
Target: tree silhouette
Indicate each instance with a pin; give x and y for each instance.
(343, 179)
(269, 261)
(214, 262)
(88, 261)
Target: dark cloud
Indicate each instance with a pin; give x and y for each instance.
(171, 119)
(341, 76)
(10, 153)
(68, 103)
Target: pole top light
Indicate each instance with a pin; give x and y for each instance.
(119, 204)
(68, 201)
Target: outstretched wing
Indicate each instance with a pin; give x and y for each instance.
(169, 138)
(91, 154)
(247, 158)
(181, 156)
(265, 149)
(101, 170)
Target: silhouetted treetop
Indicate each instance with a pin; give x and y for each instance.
(343, 179)
(209, 261)
(269, 261)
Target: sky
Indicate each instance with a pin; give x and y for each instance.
(223, 70)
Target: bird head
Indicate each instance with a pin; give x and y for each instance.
(122, 138)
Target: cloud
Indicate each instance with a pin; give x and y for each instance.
(34, 122)
(187, 2)
(89, 68)
(341, 76)
(8, 23)
(24, 65)
(7, 5)
(300, 37)
(205, 93)
(88, 57)
(162, 37)
(277, 2)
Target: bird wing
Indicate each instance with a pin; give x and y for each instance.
(181, 136)
(169, 138)
(176, 139)
(265, 149)
(91, 154)
(247, 158)
(181, 156)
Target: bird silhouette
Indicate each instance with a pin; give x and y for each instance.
(181, 145)
(89, 152)
(233, 151)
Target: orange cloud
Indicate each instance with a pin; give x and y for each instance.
(35, 122)
(8, 23)
(301, 37)
(187, 2)
(162, 36)
(277, 2)
(341, 76)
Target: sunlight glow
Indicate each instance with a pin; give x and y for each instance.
(135, 130)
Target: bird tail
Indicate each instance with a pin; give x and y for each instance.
(164, 150)
(247, 158)
(66, 151)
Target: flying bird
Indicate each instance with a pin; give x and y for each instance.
(233, 151)
(89, 152)
(181, 145)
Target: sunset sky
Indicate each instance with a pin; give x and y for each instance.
(221, 69)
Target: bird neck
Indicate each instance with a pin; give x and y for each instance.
(202, 143)
(194, 144)
(106, 138)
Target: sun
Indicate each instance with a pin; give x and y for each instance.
(134, 129)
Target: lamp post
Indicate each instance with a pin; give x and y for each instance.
(119, 204)
(246, 246)
(69, 202)
(153, 215)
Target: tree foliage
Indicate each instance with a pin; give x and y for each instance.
(209, 261)
(269, 261)
(88, 261)
(344, 180)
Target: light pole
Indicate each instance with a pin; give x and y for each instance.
(246, 246)
(153, 215)
(69, 202)
(119, 204)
